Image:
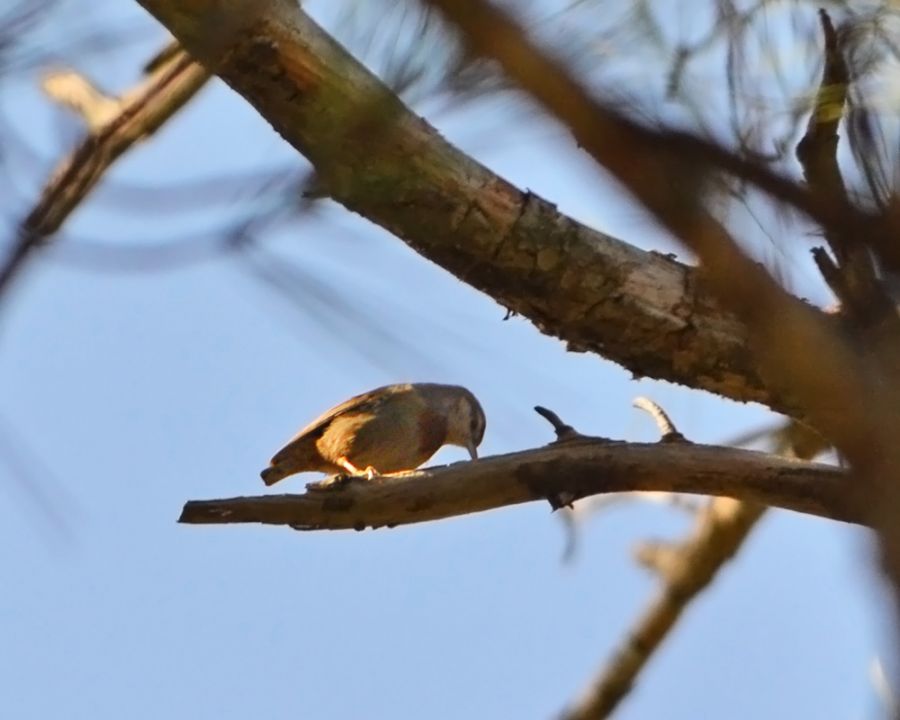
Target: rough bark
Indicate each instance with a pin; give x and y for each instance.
(640, 309)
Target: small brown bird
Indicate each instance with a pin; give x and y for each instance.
(391, 428)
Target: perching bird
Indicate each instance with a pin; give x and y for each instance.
(391, 428)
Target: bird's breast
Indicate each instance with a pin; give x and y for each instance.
(432, 432)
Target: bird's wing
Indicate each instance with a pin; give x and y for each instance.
(365, 402)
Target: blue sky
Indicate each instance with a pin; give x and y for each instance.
(129, 393)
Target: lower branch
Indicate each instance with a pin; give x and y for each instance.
(560, 473)
(685, 569)
(719, 533)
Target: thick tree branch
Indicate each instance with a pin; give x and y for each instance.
(641, 310)
(853, 397)
(804, 353)
(572, 469)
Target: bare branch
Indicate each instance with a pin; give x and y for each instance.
(563, 431)
(666, 427)
(686, 569)
(817, 151)
(140, 114)
(855, 283)
(804, 354)
(74, 91)
(642, 310)
(575, 468)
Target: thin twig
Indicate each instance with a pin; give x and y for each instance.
(855, 280)
(75, 92)
(563, 431)
(141, 114)
(661, 556)
(667, 429)
(581, 513)
(685, 570)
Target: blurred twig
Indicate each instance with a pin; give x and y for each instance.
(853, 280)
(141, 112)
(26, 467)
(684, 571)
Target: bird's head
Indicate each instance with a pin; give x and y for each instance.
(465, 420)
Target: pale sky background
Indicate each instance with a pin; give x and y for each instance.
(127, 393)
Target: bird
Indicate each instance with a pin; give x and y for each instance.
(388, 429)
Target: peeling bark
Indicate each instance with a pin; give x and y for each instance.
(642, 310)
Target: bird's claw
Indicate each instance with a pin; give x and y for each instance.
(333, 482)
(340, 480)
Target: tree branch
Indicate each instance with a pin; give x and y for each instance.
(685, 568)
(804, 353)
(855, 282)
(75, 92)
(572, 469)
(817, 150)
(112, 131)
(642, 310)
(685, 571)
(852, 397)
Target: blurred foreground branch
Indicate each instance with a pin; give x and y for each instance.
(114, 126)
(685, 570)
(853, 277)
(801, 353)
(851, 397)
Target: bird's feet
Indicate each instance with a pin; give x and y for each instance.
(370, 473)
(332, 482)
(340, 480)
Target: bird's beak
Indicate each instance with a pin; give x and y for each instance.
(473, 451)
